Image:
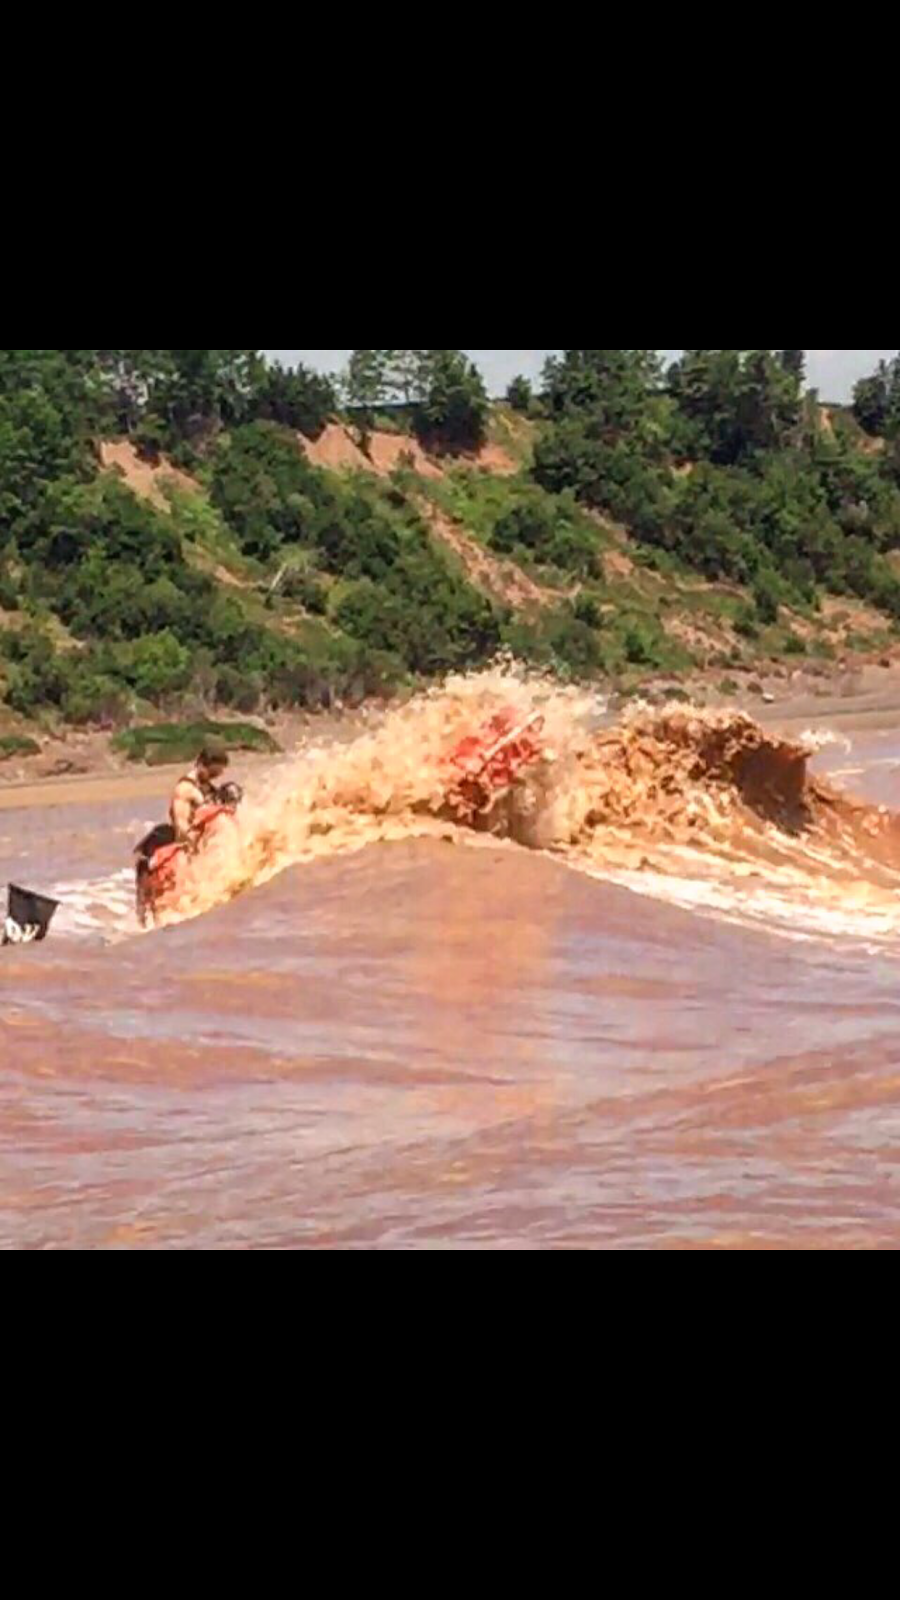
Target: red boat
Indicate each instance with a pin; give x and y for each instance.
(166, 870)
(484, 766)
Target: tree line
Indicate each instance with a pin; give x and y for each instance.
(143, 621)
(442, 389)
(725, 461)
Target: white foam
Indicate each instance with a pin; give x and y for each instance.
(95, 905)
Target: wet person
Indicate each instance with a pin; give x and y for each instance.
(198, 787)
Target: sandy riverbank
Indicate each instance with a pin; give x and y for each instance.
(122, 783)
(81, 767)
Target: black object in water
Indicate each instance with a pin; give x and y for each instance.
(28, 916)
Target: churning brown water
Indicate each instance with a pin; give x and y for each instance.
(655, 1006)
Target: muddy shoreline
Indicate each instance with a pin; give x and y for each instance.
(95, 772)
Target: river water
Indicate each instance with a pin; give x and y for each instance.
(657, 1007)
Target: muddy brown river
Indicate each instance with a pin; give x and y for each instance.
(665, 1017)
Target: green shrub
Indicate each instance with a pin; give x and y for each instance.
(149, 439)
(17, 744)
(185, 455)
(154, 665)
(174, 742)
(746, 622)
(557, 639)
(307, 590)
(37, 676)
(242, 691)
(453, 414)
(266, 490)
(358, 541)
(767, 593)
(297, 398)
(94, 697)
(642, 644)
(541, 530)
(9, 594)
(527, 526)
(588, 611)
(422, 615)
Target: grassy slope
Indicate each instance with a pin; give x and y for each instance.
(686, 624)
(656, 617)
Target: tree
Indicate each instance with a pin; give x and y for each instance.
(208, 387)
(520, 395)
(740, 402)
(129, 381)
(37, 674)
(386, 377)
(612, 387)
(876, 400)
(421, 614)
(767, 396)
(366, 381)
(870, 400)
(453, 414)
(794, 362)
(559, 639)
(155, 665)
(407, 375)
(766, 594)
(266, 490)
(550, 531)
(892, 421)
(44, 436)
(297, 398)
(891, 462)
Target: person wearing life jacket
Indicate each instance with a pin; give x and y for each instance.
(196, 789)
(192, 792)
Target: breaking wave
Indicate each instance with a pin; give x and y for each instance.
(704, 809)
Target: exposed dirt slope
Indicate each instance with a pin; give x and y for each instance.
(142, 477)
(337, 449)
(502, 580)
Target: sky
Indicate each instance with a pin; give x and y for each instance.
(832, 372)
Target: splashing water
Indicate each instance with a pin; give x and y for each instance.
(703, 809)
(709, 811)
(380, 786)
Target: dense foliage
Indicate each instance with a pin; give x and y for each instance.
(442, 390)
(181, 398)
(548, 530)
(724, 463)
(876, 401)
(111, 601)
(520, 395)
(111, 605)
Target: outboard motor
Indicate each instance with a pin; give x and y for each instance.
(28, 916)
